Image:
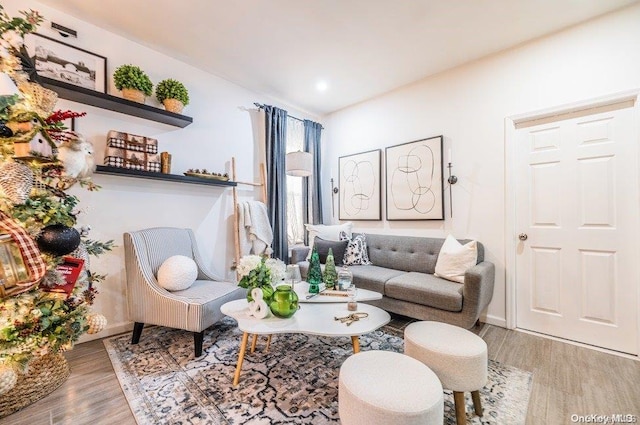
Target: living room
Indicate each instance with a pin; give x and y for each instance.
(477, 103)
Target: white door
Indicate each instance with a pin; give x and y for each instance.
(577, 218)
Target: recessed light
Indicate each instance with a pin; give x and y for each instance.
(322, 86)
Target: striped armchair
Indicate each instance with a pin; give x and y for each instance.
(193, 309)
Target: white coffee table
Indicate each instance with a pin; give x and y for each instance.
(311, 318)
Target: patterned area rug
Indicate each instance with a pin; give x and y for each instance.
(295, 382)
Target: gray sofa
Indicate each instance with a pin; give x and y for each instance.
(402, 272)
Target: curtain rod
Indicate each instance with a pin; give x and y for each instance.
(260, 106)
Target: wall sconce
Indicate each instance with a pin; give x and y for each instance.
(13, 271)
(299, 164)
(452, 180)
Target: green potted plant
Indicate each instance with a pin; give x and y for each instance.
(133, 82)
(172, 94)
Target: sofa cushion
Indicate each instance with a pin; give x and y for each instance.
(356, 253)
(337, 247)
(425, 289)
(373, 277)
(455, 258)
(327, 232)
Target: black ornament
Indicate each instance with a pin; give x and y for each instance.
(5, 131)
(58, 239)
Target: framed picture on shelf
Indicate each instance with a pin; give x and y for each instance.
(64, 62)
(414, 179)
(360, 186)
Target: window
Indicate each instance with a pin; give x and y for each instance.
(296, 216)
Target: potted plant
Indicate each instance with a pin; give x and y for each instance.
(133, 82)
(172, 94)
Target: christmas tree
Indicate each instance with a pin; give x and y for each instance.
(330, 276)
(315, 273)
(46, 286)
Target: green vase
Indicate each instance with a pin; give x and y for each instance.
(284, 302)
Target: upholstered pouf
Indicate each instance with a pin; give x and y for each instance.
(457, 356)
(386, 388)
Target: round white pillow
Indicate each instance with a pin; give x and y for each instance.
(177, 273)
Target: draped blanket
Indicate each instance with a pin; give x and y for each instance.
(256, 235)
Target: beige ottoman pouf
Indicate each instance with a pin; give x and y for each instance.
(457, 356)
(386, 388)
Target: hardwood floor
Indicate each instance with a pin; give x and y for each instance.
(567, 380)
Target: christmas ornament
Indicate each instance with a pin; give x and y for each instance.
(16, 181)
(97, 322)
(30, 253)
(58, 240)
(314, 276)
(8, 379)
(330, 276)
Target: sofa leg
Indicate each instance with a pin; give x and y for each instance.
(198, 338)
(137, 332)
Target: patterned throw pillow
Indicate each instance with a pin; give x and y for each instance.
(356, 253)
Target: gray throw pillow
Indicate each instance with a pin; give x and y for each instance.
(338, 248)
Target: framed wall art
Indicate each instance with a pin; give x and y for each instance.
(360, 186)
(414, 180)
(64, 62)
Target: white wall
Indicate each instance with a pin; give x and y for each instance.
(468, 105)
(221, 128)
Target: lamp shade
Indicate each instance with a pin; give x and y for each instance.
(299, 164)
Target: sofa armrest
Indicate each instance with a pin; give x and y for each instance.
(298, 254)
(478, 288)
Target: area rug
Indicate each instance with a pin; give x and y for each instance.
(295, 382)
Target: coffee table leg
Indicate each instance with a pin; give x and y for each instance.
(253, 342)
(243, 347)
(268, 343)
(356, 344)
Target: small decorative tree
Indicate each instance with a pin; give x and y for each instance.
(315, 273)
(330, 276)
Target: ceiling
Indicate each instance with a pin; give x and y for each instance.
(358, 48)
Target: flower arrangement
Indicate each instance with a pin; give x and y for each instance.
(260, 272)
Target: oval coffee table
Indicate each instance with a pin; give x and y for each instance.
(311, 318)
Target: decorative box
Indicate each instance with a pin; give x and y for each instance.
(133, 152)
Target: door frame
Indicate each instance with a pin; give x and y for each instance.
(511, 125)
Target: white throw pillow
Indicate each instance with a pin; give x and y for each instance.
(177, 273)
(454, 259)
(326, 232)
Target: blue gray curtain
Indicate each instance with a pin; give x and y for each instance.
(276, 149)
(312, 133)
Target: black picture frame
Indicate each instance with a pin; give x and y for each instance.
(415, 180)
(60, 61)
(359, 179)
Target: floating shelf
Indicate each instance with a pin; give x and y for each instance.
(101, 169)
(113, 103)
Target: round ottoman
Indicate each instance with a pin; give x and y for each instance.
(386, 388)
(457, 356)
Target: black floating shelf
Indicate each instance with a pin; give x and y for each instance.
(113, 103)
(160, 176)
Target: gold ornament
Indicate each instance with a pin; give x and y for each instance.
(97, 322)
(16, 181)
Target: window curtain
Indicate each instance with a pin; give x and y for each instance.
(276, 149)
(312, 134)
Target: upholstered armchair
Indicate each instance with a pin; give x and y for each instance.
(193, 309)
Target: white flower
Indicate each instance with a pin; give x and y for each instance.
(248, 263)
(277, 268)
(13, 38)
(36, 313)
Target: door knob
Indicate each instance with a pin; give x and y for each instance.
(523, 236)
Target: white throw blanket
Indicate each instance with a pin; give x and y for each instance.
(256, 235)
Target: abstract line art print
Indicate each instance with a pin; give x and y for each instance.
(415, 180)
(360, 186)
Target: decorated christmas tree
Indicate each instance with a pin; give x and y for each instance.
(315, 272)
(330, 276)
(46, 286)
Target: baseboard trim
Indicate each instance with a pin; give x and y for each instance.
(495, 321)
(110, 330)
